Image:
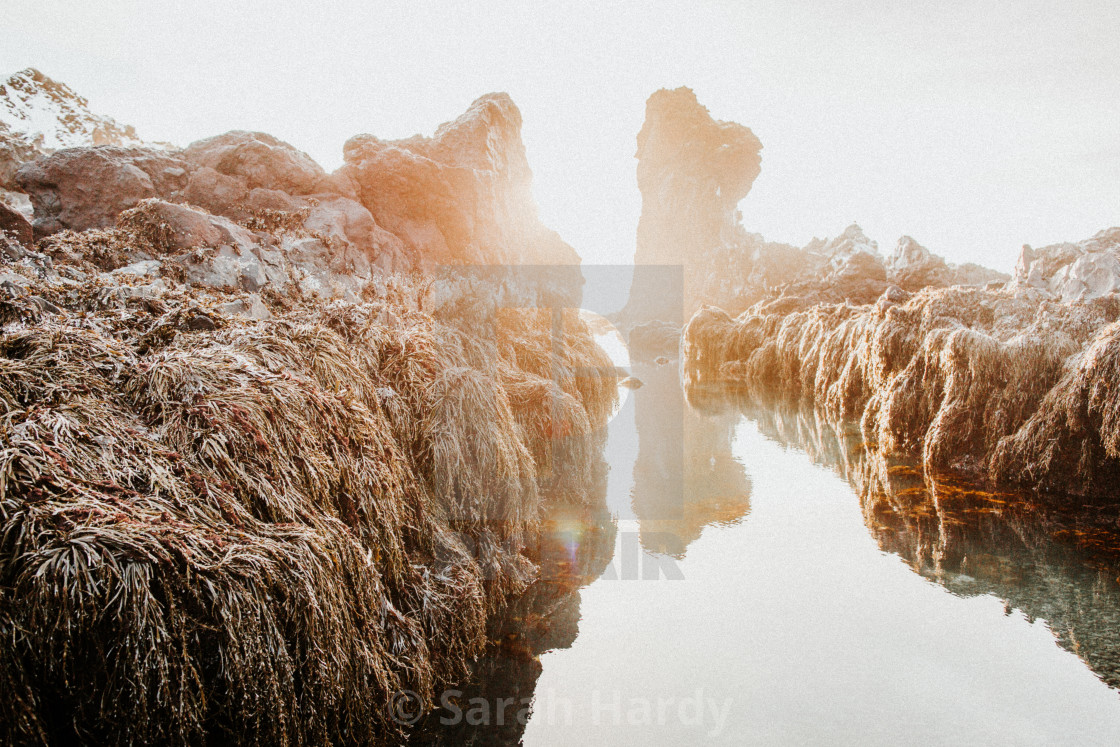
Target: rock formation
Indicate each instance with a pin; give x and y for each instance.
(971, 370)
(256, 478)
(1008, 381)
(1083, 271)
(692, 173)
(39, 116)
(462, 196)
(83, 188)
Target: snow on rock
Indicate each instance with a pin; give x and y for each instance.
(50, 116)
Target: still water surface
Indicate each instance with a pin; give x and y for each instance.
(757, 586)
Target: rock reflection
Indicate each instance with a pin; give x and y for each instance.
(685, 476)
(1052, 558)
(576, 544)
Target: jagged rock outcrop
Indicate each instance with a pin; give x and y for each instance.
(50, 116)
(461, 196)
(847, 268)
(692, 173)
(1084, 270)
(912, 267)
(83, 188)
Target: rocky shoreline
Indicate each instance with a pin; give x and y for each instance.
(263, 466)
(1009, 377)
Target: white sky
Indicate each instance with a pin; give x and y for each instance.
(972, 126)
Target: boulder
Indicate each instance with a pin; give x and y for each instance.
(216, 192)
(258, 160)
(261, 200)
(83, 188)
(342, 220)
(326, 271)
(16, 225)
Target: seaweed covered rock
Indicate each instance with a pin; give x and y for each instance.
(258, 529)
(83, 188)
(1003, 382)
(461, 196)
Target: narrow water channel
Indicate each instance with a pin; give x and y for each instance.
(752, 582)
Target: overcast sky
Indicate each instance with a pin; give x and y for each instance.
(974, 127)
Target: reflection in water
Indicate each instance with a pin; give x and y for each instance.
(1057, 560)
(796, 621)
(685, 477)
(576, 545)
